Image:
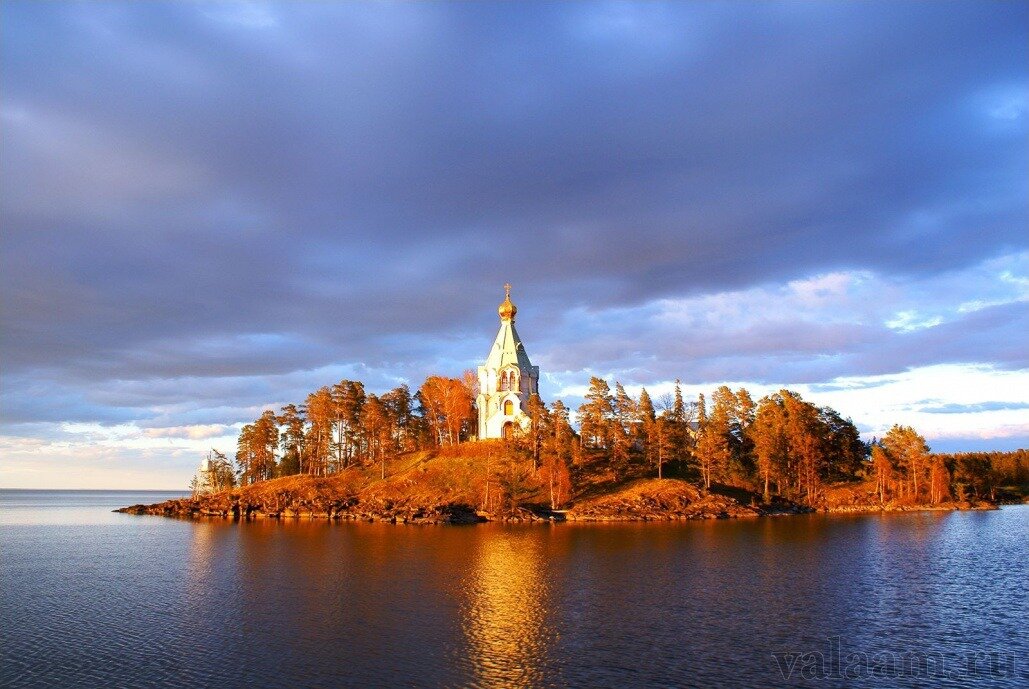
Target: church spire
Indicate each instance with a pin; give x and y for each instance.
(507, 309)
(507, 379)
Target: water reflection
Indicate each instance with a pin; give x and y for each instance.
(505, 615)
(145, 601)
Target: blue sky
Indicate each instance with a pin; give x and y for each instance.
(208, 209)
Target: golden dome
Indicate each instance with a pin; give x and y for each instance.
(507, 309)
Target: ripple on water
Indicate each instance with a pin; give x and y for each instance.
(144, 602)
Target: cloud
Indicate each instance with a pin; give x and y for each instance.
(74, 169)
(37, 464)
(808, 330)
(248, 15)
(211, 209)
(196, 432)
(957, 408)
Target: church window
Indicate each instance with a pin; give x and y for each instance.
(507, 380)
(508, 407)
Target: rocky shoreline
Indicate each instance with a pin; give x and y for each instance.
(233, 508)
(644, 500)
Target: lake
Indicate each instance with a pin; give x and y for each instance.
(89, 598)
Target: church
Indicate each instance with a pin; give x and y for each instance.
(506, 380)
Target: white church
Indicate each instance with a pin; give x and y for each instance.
(506, 380)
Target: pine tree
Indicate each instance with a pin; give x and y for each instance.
(595, 414)
(646, 423)
(538, 422)
(376, 430)
(767, 434)
(910, 455)
(348, 398)
(398, 404)
(623, 428)
(556, 455)
(446, 408)
(320, 412)
(563, 433)
(712, 452)
(291, 420)
(646, 406)
(883, 469)
(678, 408)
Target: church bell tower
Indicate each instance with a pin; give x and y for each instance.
(506, 380)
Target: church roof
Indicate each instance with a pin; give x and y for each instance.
(508, 348)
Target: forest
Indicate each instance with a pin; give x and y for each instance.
(778, 447)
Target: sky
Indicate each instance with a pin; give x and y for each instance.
(209, 209)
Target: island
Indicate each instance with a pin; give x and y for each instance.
(485, 447)
(488, 481)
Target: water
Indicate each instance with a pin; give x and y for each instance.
(94, 599)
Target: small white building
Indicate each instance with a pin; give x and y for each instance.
(506, 380)
(205, 480)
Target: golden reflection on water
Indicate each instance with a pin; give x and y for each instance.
(505, 613)
(204, 549)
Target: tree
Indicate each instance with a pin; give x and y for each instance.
(645, 408)
(909, 454)
(678, 408)
(646, 424)
(845, 452)
(562, 439)
(376, 426)
(973, 471)
(320, 412)
(939, 480)
(266, 432)
(558, 479)
(348, 398)
(538, 422)
(517, 481)
(804, 439)
(446, 408)
(768, 435)
(255, 449)
(291, 420)
(245, 453)
(883, 468)
(665, 434)
(623, 427)
(712, 452)
(398, 404)
(716, 441)
(222, 477)
(595, 414)
(742, 413)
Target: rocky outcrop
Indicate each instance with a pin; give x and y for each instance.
(671, 499)
(862, 498)
(908, 507)
(230, 506)
(427, 489)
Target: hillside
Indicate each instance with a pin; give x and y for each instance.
(475, 482)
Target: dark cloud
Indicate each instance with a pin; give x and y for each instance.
(211, 202)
